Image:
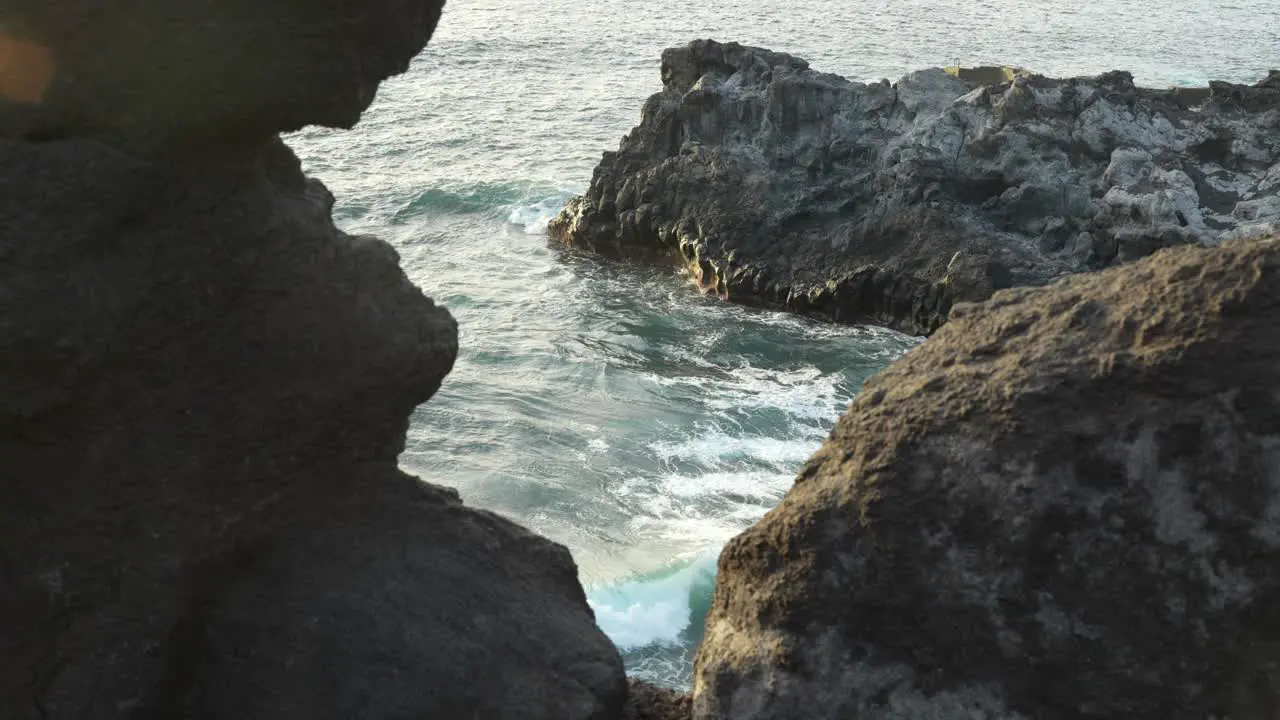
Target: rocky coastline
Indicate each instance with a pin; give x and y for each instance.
(777, 185)
(1066, 503)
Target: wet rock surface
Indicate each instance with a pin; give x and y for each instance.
(1064, 504)
(781, 186)
(207, 385)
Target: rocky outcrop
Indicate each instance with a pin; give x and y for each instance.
(781, 186)
(649, 702)
(1066, 504)
(206, 386)
(163, 70)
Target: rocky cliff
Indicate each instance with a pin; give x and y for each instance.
(778, 185)
(206, 385)
(1065, 504)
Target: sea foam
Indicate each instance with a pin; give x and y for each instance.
(656, 609)
(533, 218)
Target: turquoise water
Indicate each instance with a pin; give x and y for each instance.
(613, 408)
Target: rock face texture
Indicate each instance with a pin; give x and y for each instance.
(648, 702)
(164, 69)
(206, 386)
(781, 186)
(1066, 504)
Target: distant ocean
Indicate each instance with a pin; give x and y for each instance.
(613, 408)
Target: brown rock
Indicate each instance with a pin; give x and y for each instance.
(1066, 504)
(649, 702)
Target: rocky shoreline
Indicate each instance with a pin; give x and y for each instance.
(1065, 504)
(780, 186)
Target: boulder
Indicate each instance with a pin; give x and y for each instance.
(207, 385)
(778, 185)
(1065, 504)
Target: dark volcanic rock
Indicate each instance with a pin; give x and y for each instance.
(206, 386)
(398, 602)
(781, 186)
(185, 68)
(1066, 504)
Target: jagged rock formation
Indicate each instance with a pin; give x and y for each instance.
(1066, 504)
(205, 388)
(781, 186)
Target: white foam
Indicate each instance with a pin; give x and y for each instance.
(804, 393)
(721, 477)
(640, 612)
(534, 217)
(759, 486)
(716, 447)
(675, 530)
(674, 512)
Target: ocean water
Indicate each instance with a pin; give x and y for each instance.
(613, 408)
